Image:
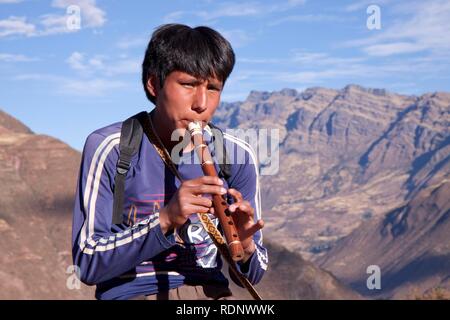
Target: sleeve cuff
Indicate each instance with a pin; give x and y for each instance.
(165, 241)
(244, 268)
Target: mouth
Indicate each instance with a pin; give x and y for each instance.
(187, 121)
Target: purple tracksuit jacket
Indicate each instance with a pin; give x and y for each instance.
(136, 258)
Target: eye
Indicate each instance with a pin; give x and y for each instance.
(214, 88)
(187, 84)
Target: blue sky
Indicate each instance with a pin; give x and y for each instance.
(67, 83)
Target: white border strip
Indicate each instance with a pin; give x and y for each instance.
(88, 187)
(249, 149)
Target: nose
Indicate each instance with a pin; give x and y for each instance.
(200, 99)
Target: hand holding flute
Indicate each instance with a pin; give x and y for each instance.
(189, 200)
(241, 212)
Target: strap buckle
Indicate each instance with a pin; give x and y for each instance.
(123, 166)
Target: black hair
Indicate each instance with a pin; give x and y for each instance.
(201, 52)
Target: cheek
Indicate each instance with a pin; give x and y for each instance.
(213, 102)
(173, 97)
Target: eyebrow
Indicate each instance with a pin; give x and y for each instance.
(216, 84)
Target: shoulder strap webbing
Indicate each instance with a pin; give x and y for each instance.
(130, 141)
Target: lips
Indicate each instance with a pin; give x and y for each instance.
(186, 121)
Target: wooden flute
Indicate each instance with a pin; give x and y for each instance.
(219, 202)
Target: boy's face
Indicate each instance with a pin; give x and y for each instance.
(184, 98)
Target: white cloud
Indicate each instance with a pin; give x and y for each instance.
(103, 65)
(235, 9)
(420, 26)
(293, 3)
(54, 24)
(313, 59)
(132, 42)
(92, 87)
(76, 87)
(363, 4)
(16, 26)
(302, 58)
(38, 77)
(124, 66)
(10, 1)
(349, 72)
(8, 57)
(76, 61)
(237, 38)
(260, 61)
(388, 49)
(97, 62)
(173, 16)
(306, 69)
(92, 16)
(315, 77)
(307, 18)
(95, 74)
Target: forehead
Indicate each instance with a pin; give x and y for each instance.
(186, 76)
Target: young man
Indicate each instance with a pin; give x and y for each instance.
(161, 250)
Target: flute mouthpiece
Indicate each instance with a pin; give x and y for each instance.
(195, 127)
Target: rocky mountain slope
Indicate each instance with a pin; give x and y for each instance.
(410, 244)
(290, 277)
(38, 175)
(348, 158)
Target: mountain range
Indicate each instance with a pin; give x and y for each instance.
(357, 167)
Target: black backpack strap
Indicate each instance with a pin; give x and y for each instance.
(221, 152)
(130, 141)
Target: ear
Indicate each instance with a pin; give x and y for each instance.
(153, 85)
